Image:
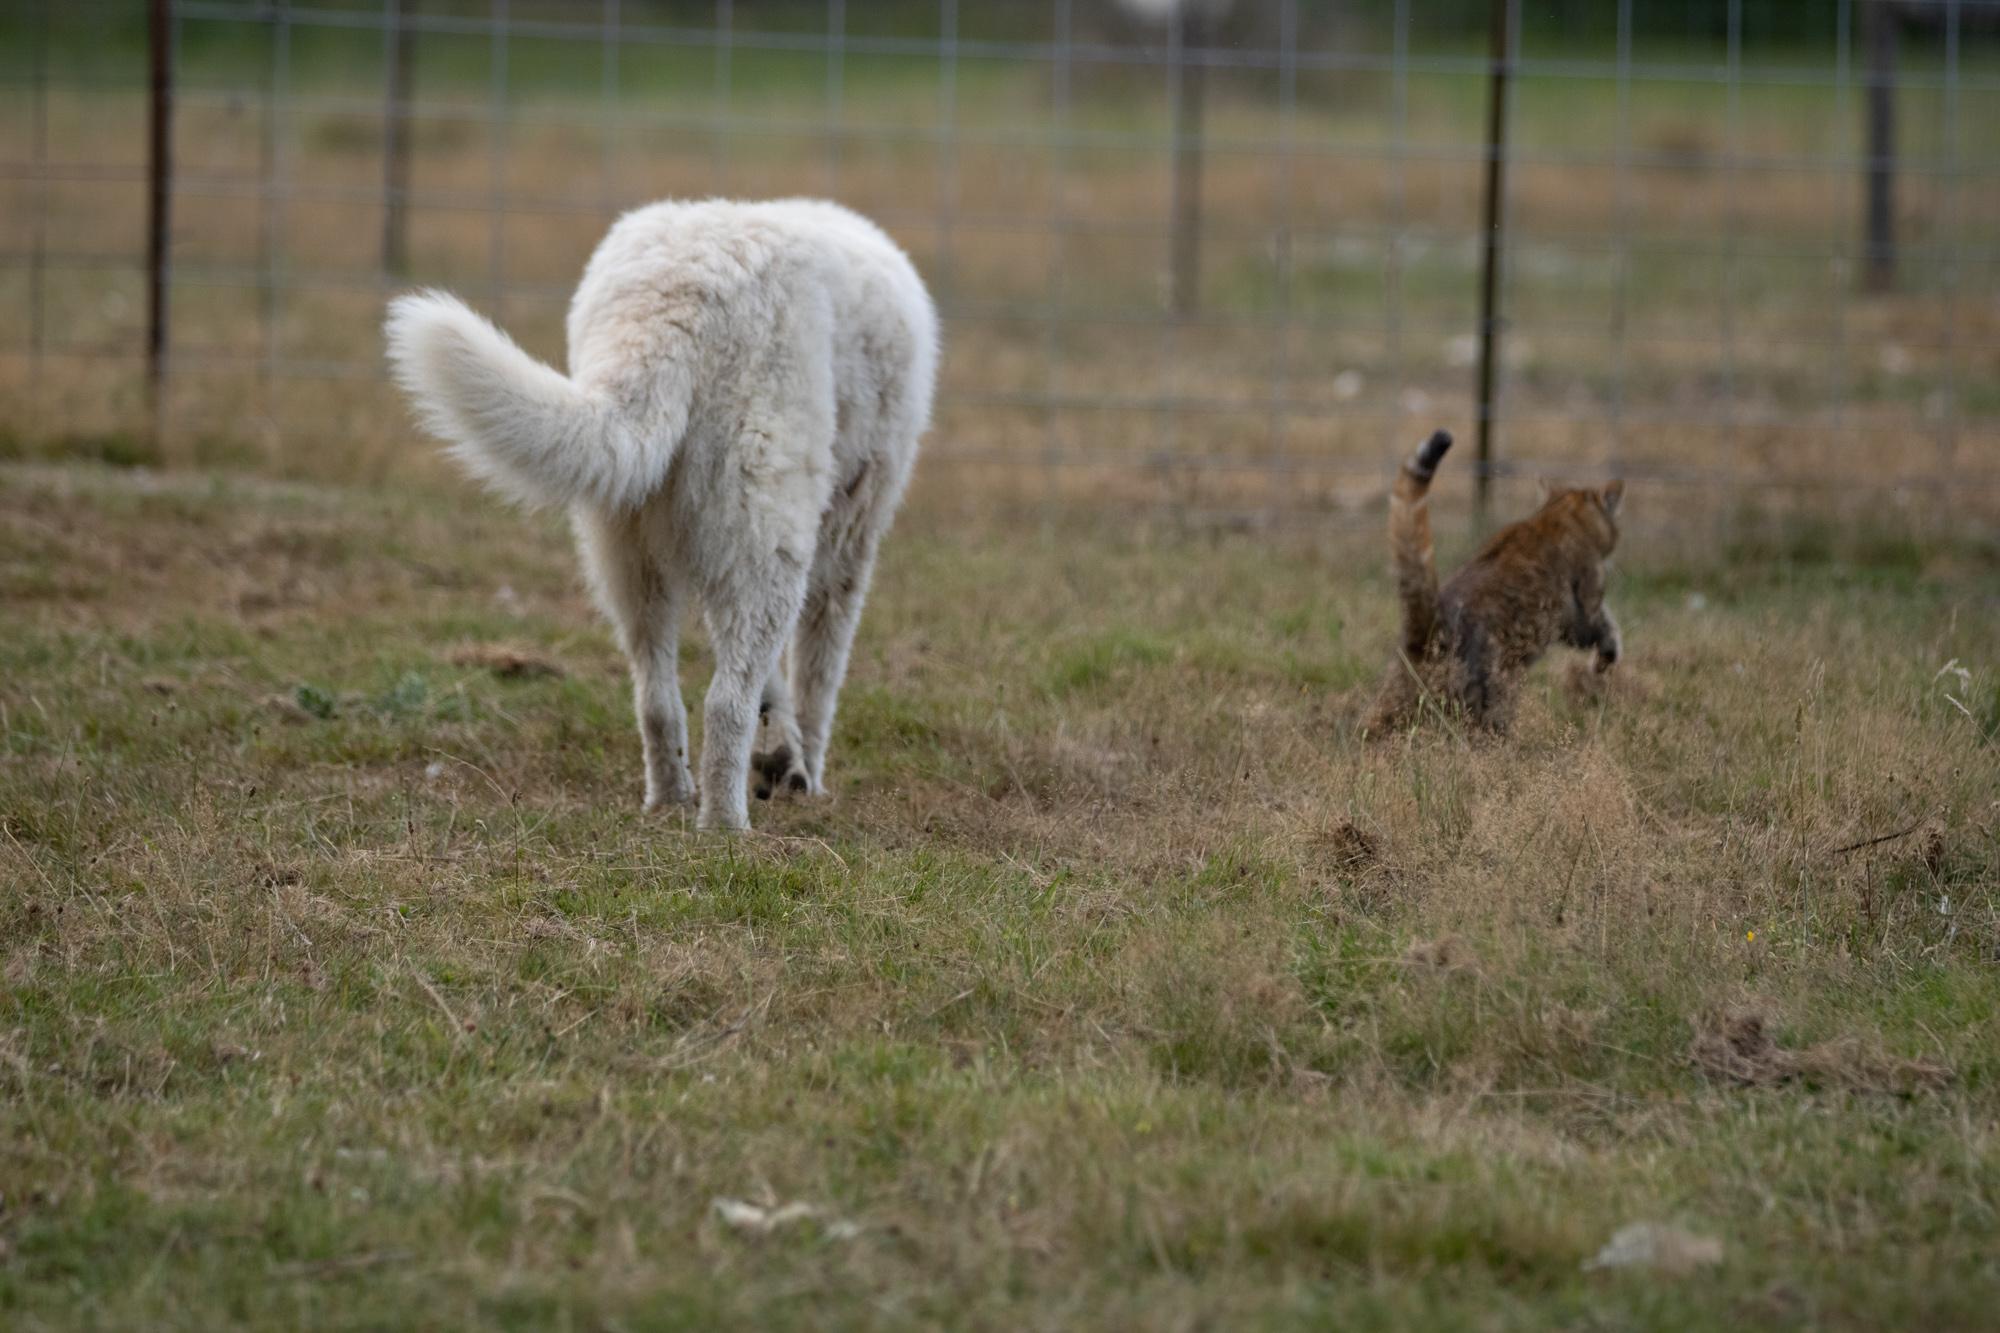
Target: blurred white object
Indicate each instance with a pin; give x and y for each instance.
(1655, 1245)
(761, 1221)
(1162, 10)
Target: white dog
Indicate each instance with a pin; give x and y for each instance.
(747, 385)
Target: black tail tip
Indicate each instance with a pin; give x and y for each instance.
(1431, 454)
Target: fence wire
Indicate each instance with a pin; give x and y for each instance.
(1219, 260)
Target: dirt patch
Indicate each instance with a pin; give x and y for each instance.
(507, 662)
(1736, 1046)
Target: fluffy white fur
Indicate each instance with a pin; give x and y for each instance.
(747, 385)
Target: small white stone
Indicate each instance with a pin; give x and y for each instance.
(1654, 1245)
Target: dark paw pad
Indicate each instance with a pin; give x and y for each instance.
(774, 769)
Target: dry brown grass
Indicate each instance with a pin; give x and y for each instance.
(1736, 1045)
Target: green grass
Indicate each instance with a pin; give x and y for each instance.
(343, 985)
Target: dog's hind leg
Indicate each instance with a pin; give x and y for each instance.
(842, 566)
(778, 766)
(751, 611)
(641, 594)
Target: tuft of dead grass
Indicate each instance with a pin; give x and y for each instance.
(1446, 955)
(1736, 1045)
(1351, 847)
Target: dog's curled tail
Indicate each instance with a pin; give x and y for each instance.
(525, 429)
(1410, 544)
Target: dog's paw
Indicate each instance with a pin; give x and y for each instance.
(678, 796)
(780, 772)
(722, 821)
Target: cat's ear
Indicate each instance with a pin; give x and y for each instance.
(1546, 489)
(1612, 496)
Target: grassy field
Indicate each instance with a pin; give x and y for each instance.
(342, 985)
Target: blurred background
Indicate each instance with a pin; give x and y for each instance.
(1217, 263)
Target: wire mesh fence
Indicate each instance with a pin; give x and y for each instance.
(1218, 260)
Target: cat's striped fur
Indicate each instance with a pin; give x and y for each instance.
(1534, 583)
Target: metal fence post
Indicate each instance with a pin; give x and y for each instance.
(1498, 71)
(401, 53)
(1880, 20)
(1190, 31)
(159, 197)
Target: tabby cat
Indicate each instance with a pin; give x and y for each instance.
(1536, 582)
